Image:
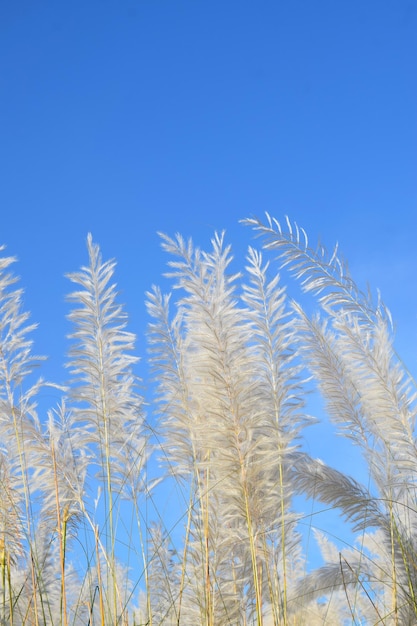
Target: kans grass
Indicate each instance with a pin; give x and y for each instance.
(84, 539)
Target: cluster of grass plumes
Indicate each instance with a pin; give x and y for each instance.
(81, 539)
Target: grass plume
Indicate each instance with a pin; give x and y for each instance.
(84, 538)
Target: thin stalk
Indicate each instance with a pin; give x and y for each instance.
(364, 589)
(273, 597)
(23, 470)
(62, 528)
(145, 563)
(206, 530)
(394, 572)
(3, 573)
(99, 579)
(184, 558)
(258, 591)
(345, 589)
(109, 512)
(9, 583)
(34, 585)
(283, 542)
(406, 561)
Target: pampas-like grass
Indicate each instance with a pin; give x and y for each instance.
(230, 413)
(83, 539)
(109, 411)
(372, 398)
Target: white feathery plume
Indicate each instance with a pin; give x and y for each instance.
(107, 404)
(370, 396)
(229, 394)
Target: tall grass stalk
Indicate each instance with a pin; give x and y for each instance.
(83, 539)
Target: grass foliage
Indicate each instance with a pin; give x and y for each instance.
(84, 535)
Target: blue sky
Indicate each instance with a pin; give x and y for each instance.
(128, 117)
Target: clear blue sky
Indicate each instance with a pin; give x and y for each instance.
(125, 117)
